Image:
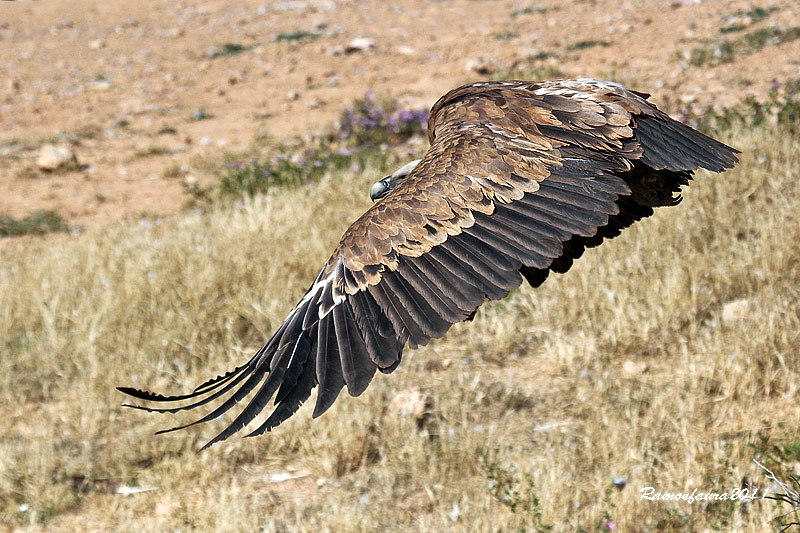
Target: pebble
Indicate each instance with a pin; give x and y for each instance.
(359, 44)
(52, 157)
(634, 368)
(738, 309)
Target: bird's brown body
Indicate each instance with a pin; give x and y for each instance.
(520, 178)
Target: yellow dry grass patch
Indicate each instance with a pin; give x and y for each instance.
(624, 366)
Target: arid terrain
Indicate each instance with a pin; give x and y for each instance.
(666, 358)
(125, 82)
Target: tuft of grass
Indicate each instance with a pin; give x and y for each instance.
(38, 223)
(743, 19)
(725, 51)
(529, 11)
(506, 36)
(150, 151)
(176, 170)
(781, 109)
(227, 50)
(296, 36)
(583, 45)
(540, 56)
(200, 114)
(733, 28)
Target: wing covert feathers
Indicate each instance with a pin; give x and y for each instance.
(519, 180)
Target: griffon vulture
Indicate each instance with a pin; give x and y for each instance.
(519, 179)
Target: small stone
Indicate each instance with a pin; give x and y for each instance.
(96, 44)
(619, 482)
(738, 309)
(634, 368)
(360, 44)
(405, 50)
(292, 95)
(52, 157)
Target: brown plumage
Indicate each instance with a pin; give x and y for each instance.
(519, 179)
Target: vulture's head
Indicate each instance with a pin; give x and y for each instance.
(385, 186)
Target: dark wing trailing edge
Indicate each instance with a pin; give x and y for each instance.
(519, 180)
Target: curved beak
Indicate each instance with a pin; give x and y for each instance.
(379, 189)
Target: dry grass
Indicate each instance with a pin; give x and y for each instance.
(538, 381)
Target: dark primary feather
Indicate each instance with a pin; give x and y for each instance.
(520, 179)
(329, 368)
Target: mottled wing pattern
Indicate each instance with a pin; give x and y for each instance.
(520, 178)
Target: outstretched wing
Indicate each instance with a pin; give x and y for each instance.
(520, 178)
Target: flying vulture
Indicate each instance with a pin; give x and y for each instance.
(519, 179)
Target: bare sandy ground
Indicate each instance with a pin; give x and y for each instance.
(125, 82)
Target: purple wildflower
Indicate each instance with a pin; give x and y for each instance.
(776, 84)
(317, 163)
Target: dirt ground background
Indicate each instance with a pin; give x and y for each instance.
(127, 82)
(681, 367)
